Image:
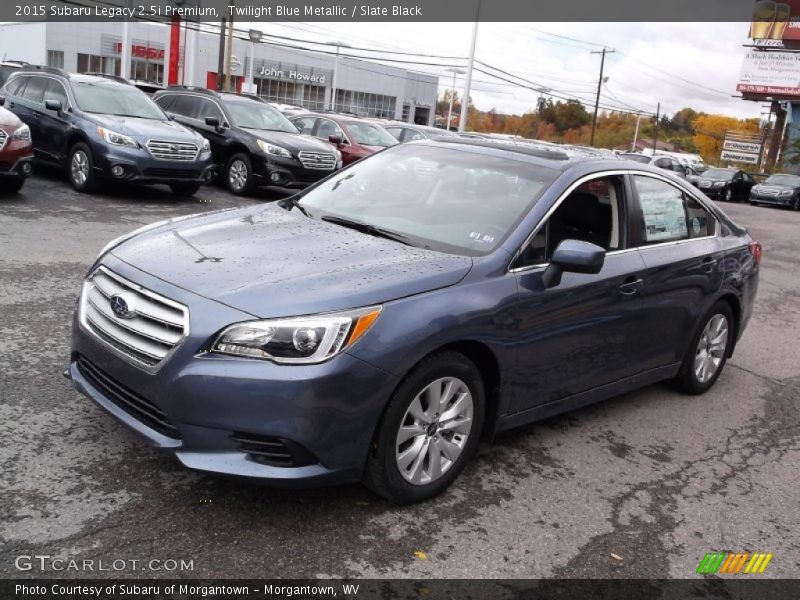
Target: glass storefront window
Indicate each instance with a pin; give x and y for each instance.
(91, 63)
(287, 92)
(365, 104)
(143, 70)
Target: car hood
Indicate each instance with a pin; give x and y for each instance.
(775, 188)
(294, 142)
(9, 119)
(147, 128)
(271, 262)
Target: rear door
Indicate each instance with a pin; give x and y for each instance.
(30, 108)
(54, 124)
(676, 236)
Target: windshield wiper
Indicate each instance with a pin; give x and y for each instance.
(369, 229)
(295, 203)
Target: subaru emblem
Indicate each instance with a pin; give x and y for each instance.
(122, 306)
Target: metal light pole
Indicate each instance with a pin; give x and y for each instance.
(255, 38)
(600, 82)
(338, 45)
(455, 71)
(636, 133)
(125, 50)
(229, 51)
(462, 122)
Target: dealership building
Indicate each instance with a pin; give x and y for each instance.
(161, 53)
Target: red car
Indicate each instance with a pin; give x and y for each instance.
(16, 151)
(355, 138)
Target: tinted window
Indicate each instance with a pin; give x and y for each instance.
(34, 91)
(305, 124)
(700, 221)
(444, 199)
(719, 174)
(208, 108)
(166, 102)
(257, 115)
(662, 208)
(15, 85)
(328, 128)
(186, 106)
(55, 91)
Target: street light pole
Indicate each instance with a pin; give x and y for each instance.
(335, 71)
(255, 37)
(455, 71)
(462, 122)
(636, 133)
(604, 51)
(229, 51)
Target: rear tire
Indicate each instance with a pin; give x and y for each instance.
(11, 185)
(239, 175)
(796, 204)
(429, 431)
(80, 169)
(708, 352)
(184, 189)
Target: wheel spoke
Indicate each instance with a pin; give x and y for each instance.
(408, 431)
(411, 453)
(415, 410)
(457, 425)
(434, 461)
(415, 472)
(450, 450)
(459, 406)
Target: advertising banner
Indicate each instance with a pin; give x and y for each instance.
(770, 73)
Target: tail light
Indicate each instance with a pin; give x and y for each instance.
(755, 250)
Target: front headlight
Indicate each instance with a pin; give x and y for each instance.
(23, 133)
(273, 150)
(299, 340)
(786, 193)
(116, 139)
(206, 147)
(719, 184)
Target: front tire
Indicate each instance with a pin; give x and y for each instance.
(80, 169)
(430, 430)
(184, 189)
(239, 175)
(708, 352)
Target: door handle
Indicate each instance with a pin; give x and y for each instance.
(631, 286)
(708, 264)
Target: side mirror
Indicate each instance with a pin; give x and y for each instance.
(212, 122)
(54, 105)
(573, 256)
(335, 139)
(2, 100)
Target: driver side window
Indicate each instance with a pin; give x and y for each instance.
(591, 213)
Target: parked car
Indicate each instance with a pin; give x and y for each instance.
(779, 189)
(354, 138)
(726, 184)
(408, 132)
(7, 68)
(662, 162)
(16, 151)
(288, 110)
(375, 326)
(693, 175)
(253, 144)
(102, 129)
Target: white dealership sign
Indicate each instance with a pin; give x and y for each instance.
(751, 159)
(770, 73)
(746, 147)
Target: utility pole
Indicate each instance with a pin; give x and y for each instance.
(777, 136)
(221, 60)
(229, 53)
(603, 53)
(636, 133)
(462, 122)
(655, 134)
(455, 71)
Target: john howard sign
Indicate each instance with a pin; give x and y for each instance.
(294, 73)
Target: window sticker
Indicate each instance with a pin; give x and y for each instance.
(481, 238)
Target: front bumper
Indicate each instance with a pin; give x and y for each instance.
(712, 192)
(330, 410)
(292, 174)
(776, 200)
(16, 159)
(140, 167)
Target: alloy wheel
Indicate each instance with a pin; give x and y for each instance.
(434, 430)
(711, 348)
(79, 168)
(237, 175)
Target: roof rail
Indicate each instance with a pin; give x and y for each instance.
(248, 96)
(43, 69)
(192, 88)
(116, 78)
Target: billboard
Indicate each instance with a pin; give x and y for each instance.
(776, 24)
(742, 147)
(770, 73)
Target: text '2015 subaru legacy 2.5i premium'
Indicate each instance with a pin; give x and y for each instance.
(375, 326)
(253, 144)
(103, 129)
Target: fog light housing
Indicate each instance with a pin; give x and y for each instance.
(118, 171)
(27, 168)
(275, 177)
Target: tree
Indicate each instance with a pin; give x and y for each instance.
(710, 133)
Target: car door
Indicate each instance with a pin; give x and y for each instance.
(54, 125)
(676, 236)
(207, 108)
(28, 107)
(326, 128)
(583, 333)
(747, 184)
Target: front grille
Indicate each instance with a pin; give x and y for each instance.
(166, 150)
(173, 173)
(147, 333)
(320, 161)
(768, 191)
(135, 405)
(5, 166)
(3, 139)
(273, 451)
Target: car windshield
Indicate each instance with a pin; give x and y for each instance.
(368, 134)
(445, 199)
(719, 173)
(121, 100)
(637, 157)
(254, 115)
(790, 180)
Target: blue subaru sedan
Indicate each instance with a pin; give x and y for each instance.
(381, 323)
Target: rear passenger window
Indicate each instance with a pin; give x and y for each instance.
(186, 106)
(14, 86)
(208, 108)
(668, 214)
(165, 102)
(34, 91)
(413, 134)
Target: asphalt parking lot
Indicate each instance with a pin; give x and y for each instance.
(639, 486)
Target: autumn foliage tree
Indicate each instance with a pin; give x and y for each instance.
(710, 133)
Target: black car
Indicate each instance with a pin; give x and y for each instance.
(103, 128)
(731, 185)
(7, 68)
(779, 189)
(408, 132)
(252, 142)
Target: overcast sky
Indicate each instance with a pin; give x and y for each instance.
(677, 64)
